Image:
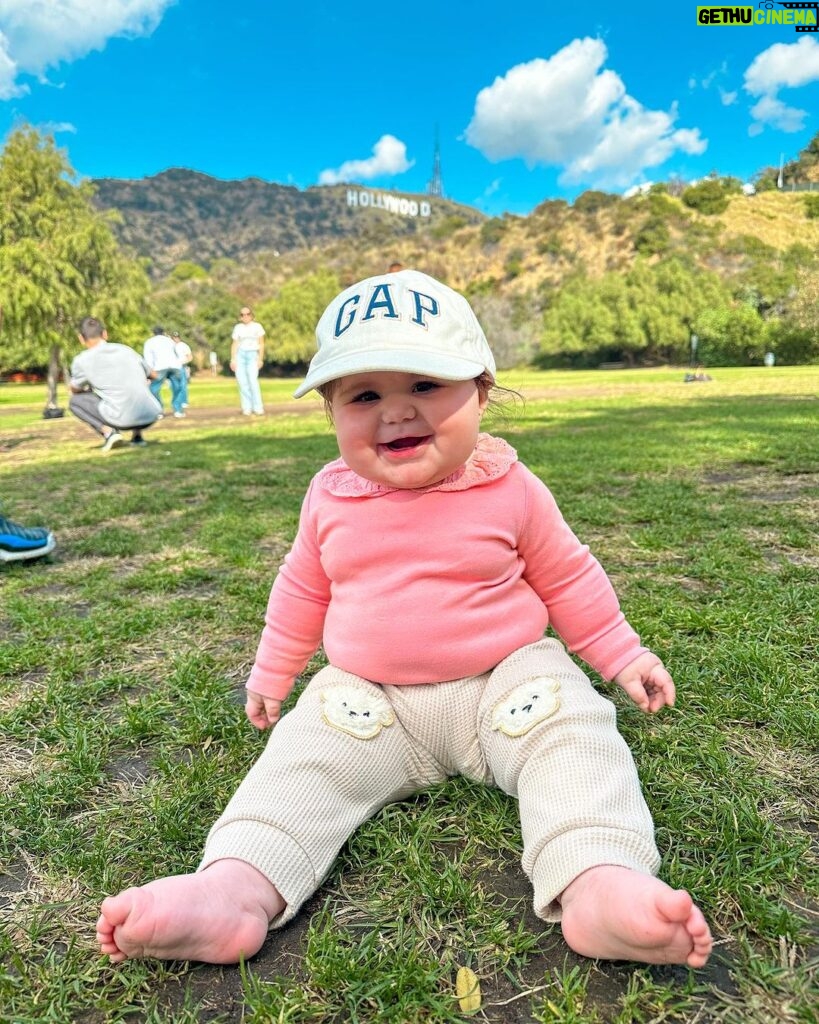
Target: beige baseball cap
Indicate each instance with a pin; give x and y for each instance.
(405, 321)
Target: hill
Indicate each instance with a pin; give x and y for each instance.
(185, 215)
(605, 279)
(182, 215)
(520, 257)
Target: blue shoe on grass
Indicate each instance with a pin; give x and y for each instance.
(18, 543)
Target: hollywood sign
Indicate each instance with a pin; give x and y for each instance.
(386, 201)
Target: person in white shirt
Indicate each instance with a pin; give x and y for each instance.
(183, 350)
(246, 359)
(159, 353)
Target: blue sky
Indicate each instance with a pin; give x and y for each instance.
(531, 100)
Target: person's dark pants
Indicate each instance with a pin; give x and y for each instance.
(86, 407)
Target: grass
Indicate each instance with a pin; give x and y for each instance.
(123, 657)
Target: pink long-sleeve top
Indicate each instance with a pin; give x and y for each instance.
(407, 587)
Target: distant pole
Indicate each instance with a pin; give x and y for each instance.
(435, 186)
(694, 343)
(780, 181)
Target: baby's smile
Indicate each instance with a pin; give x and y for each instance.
(406, 444)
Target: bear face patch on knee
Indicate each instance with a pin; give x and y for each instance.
(357, 712)
(526, 705)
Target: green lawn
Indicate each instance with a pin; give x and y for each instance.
(124, 655)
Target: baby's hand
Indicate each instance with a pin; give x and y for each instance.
(648, 683)
(263, 712)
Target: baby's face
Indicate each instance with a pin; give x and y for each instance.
(403, 430)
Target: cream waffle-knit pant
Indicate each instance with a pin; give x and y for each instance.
(534, 726)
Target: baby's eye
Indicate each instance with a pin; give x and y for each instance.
(423, 386)
(365, 396)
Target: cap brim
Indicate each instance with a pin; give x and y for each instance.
(427, 364)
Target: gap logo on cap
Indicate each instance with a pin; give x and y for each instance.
(421, 307)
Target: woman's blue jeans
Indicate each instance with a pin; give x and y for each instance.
(247, 377)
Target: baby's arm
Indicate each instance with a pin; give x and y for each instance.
(263, 712)
(647, 682)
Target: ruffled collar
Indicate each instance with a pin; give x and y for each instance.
(491, 459)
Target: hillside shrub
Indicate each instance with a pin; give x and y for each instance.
(492, 231)
(711, 196)
(592, 201)
(555, 208)
(448, 226)
(550, 246)
(749, 245)
(661, 205)
(812, 207)
(653, 238)
(514, 264)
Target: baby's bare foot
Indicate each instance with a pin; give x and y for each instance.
(614, 913)
(217, 915)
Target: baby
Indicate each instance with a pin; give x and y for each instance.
(429, 562)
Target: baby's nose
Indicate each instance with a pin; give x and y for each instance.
(398, 409)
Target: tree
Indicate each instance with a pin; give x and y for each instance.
(732, 334)
(795, 336)
(644, 315)
(59, 260)
(290, 319)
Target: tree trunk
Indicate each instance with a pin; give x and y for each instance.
(54, 374)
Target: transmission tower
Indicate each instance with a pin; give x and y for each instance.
(435, 187)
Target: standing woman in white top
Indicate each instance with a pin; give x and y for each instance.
(246, 359)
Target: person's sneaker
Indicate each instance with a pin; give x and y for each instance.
(139, 442)
(21, 542)
(114, 440)
(179, 415)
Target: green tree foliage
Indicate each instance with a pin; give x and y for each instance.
(186, 270)
(768, 278)
(644, 315)
(290, 319)
(795, 336)
(731, 334)
(201, 309)
(59, 259)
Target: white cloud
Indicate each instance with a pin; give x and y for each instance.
(389, 157)
(781, 66)
(728, 98)
(56, 127)
(773, 112)
(568, 111)
(8, 72)
(37, 35)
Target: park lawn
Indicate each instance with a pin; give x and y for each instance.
(123, 658)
